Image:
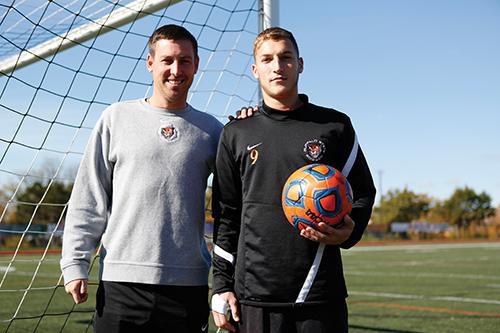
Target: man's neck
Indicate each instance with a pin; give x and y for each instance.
(164, 104)
(287, 104)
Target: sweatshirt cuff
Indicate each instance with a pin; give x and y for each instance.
(75, 272)
(220, 286)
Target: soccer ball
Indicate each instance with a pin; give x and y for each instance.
(316, 193)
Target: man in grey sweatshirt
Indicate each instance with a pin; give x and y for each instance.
(140, 191)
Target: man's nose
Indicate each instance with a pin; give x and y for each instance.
(175, 68)
(277, 65)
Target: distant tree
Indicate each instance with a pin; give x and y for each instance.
(496, 218)
(50, 208)
(465, 206)
(403, 206)
(3, 205)
(438, 213)
(7, 212)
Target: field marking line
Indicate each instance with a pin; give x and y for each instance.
(4, 269)
(428, 309)
(493, 285)
(423, 274)
(13, 271)
(427, 246)
(431, 298)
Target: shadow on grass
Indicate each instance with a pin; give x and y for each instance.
(376, 329)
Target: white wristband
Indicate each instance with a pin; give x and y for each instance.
(219, 304)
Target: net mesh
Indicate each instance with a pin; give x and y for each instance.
(50, 103)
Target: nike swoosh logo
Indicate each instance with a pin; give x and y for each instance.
(203, 328)
(254, 146)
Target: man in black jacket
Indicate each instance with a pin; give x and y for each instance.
(273, 278)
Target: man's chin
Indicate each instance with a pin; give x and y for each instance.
(175, 90)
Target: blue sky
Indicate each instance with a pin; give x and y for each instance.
(420, 80)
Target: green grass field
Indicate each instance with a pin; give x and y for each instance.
(424, 288)
(395, 288)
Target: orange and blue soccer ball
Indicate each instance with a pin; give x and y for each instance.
(316, 193)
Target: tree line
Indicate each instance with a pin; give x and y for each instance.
(465, 207)
(39, 202)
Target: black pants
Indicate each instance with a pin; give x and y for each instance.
(133, 307)
(328, 318)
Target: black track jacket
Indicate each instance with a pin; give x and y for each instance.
(257, 253)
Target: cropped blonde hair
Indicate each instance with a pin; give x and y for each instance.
(275, 34)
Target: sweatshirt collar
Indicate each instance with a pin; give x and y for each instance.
(284, 115)
(176, 112)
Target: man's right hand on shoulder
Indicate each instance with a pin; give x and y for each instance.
(78, 290)
(245, 112)
(219, 312)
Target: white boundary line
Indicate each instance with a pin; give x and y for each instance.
(412, 247)
(424, 274)
(430, 298)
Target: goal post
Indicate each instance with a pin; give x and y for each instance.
(62, 62)
(268, 14)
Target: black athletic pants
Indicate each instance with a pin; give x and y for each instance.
(134, 307)
(328, 318)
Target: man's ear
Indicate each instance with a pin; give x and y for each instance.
(196, 64)
(301, 64)
(254, 71)
(149, 62)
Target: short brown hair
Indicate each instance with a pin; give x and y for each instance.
(276, 34)
(172, 32)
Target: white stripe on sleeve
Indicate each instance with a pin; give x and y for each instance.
(352, 158)
(223, 254)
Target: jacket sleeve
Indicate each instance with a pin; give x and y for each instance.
(362, 186)
(227, 216)
(89, 206)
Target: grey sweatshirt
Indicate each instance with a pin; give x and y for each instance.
(140, 189)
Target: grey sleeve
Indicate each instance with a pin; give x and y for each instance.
(89, 205)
